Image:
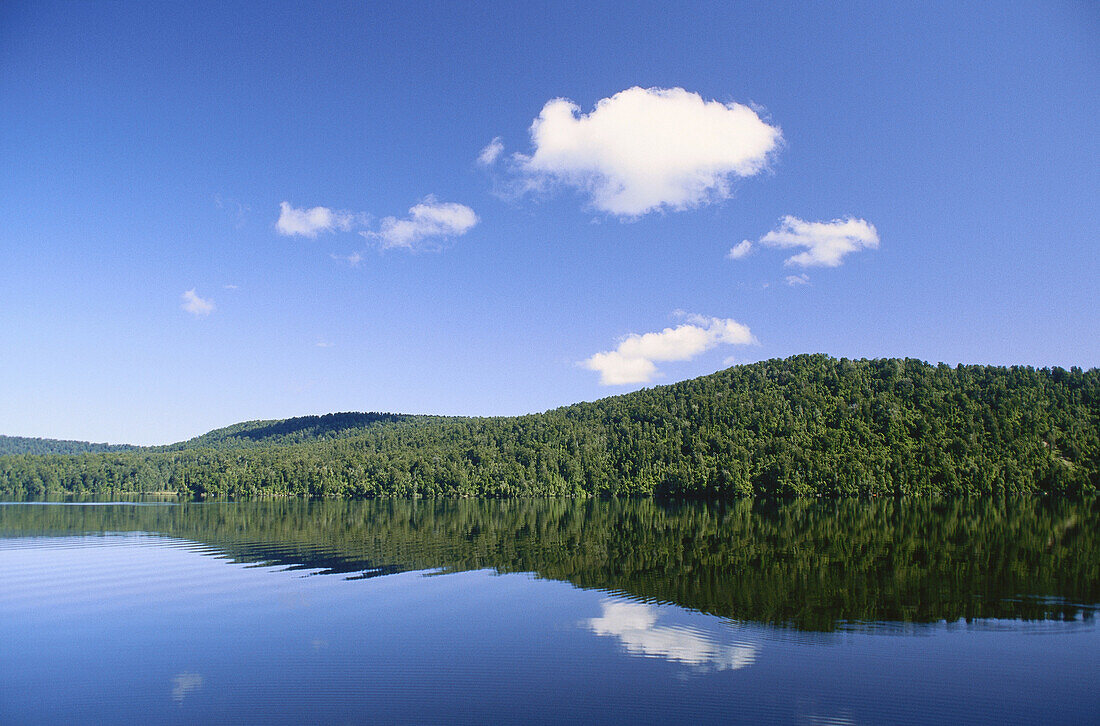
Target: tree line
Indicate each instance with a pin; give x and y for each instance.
(26, 445)
(810, 425)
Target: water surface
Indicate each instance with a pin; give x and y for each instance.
(549, 611)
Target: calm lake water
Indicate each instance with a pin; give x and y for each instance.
(549, 612)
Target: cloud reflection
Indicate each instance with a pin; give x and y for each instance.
(635, 625)
(184, 684)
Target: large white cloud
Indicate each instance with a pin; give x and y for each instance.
(308, 222)
(634, 360)
(197, 306)
(645, 149)
(428, 220)
(635, 626)
(825, 243)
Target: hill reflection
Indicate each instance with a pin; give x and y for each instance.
(807, 565)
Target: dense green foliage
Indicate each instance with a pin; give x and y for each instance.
(808, 425)
(292, 430)
(807, 564)
(23, 445)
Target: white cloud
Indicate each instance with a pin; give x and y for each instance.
(616, 369)
(353, 259)
(633, 361)
(196, 305)
(231, 286)
(802, 279)
(427, 220)
(643, 149)
(491, 152)
(825, 243)
(635, 626)
(741, 249)
(308, 222)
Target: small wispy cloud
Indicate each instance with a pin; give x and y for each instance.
(491, 152)
(428, 223)
(231, 286)
(310, 222)
(324, 344)
(647, 149)
(802, 279)
(634, 359)
(237, 210)
(739, 250)
(825, 243)
(430, 220)
(197, 306)
(353, 259)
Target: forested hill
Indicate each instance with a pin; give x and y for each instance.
(247, 433)
(24, 445)
(808, 425)
(292, 430)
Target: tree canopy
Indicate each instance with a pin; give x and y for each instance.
(810, 425)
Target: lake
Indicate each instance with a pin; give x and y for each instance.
(550, 611)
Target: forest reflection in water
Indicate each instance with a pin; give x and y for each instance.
(807, 565)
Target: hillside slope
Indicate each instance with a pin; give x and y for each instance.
(296, 430)
(808, 425)
(26, 445)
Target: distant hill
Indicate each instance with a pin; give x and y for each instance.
(290, 431)
(24, 445)
(809, 425)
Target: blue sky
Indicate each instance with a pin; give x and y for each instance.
(916, 181)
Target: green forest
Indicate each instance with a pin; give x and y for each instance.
(25, 445)
(810, 425)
